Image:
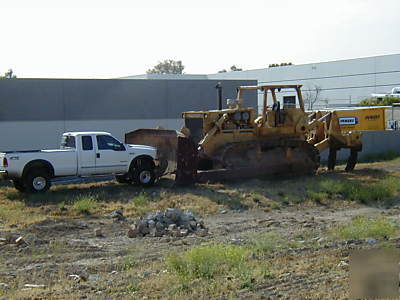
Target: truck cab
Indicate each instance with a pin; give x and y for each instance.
(101, 153)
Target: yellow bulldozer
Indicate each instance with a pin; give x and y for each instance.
(240, 142)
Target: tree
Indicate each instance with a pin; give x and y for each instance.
(9, 74)
(385, 101)
(311, 96)
(234, 68)
(280, 65)
(167, 66)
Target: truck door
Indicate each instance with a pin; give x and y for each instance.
(87, 157)
(111, 155)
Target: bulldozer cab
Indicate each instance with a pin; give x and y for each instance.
(276, 113)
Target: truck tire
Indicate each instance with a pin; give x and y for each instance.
(144, 175)
(19, 185)
(37, 181)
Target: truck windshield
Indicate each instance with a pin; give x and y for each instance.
(68, 142)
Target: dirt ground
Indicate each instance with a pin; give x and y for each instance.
(63, 258)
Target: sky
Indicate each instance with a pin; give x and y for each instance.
(115, 38)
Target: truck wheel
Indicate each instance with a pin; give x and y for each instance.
(144, 175)
(19, 185)
(123, 179)
(37, 181)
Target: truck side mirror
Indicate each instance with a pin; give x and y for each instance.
(118, 147)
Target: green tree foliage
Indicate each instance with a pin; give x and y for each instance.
(280, 65)
(385, 101)
(167, 66)
(232, 69)
(9, 74)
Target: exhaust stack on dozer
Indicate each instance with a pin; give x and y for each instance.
(236, 142)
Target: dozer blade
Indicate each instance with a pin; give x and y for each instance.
(165, 141)
(187, 159)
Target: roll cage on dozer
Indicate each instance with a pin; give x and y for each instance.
(238, 142)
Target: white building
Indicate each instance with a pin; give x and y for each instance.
(341, 83)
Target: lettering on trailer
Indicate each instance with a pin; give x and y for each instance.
(348, 121)
(372, 117)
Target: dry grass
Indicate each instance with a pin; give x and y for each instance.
(338, 188)
(362, 227)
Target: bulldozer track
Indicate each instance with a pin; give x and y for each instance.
(264, 158)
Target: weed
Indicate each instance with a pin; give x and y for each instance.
(270, 242)
(382, 190)
(208, 261)
(132, 289)
(127, 263)
(141, 200)
(275, 206)
(62, 206)
(257, 198)
(316, 196)
(329, 186)
(363, 227)
(85, 204)
(245, 275)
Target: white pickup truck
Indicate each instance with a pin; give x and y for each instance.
(395, 93)
(80, 154)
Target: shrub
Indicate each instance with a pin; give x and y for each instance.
(362, 227)
(275, 206)
(84, 204)
(209, 261)
(385, 101)
(141, 200)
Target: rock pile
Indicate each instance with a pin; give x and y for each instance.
(172, 222)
